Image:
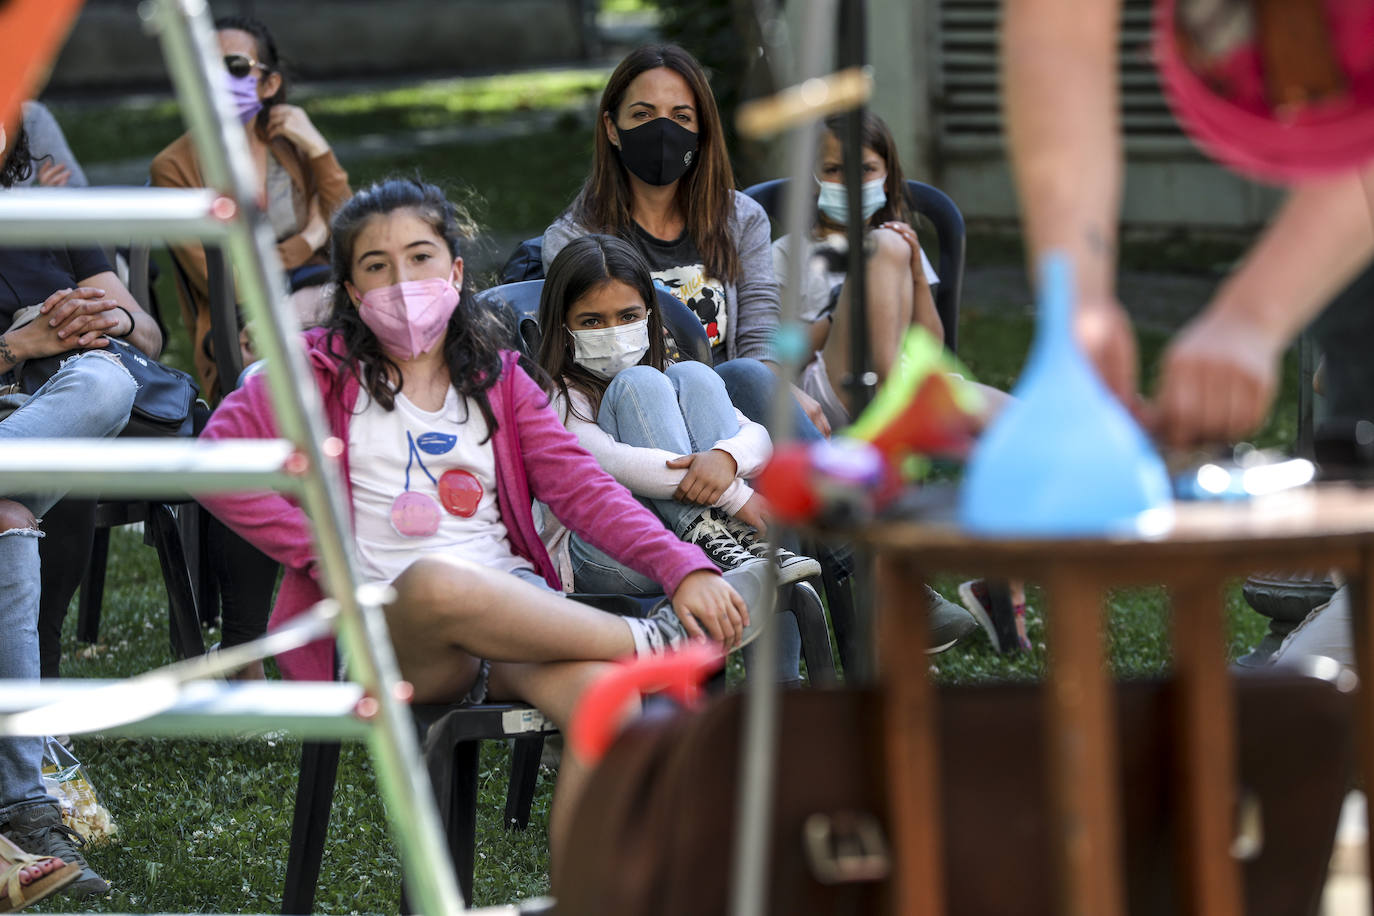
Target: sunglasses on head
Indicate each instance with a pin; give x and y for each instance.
(240, 65)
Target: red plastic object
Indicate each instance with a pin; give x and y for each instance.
(31, 31)
(786, 483)
(679, 674)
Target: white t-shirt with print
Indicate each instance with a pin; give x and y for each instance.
(425, 483)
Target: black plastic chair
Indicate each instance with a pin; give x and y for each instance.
(936, 206)
(451, 739)
(168, 526)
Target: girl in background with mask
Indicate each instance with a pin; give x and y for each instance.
(667, 431)
(299, 177)
(899, 276)
(446, 441)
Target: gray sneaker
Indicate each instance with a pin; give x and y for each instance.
(949, 622)
(792, 567)
(39, 831)
(663, 630)
(717, 542)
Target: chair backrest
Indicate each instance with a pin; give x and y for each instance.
(526, 262)
(517, 305)
(936, 206)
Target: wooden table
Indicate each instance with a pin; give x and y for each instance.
(1331, 526)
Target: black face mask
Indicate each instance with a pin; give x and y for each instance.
(659, 152)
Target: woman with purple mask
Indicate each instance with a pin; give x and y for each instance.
(299, 178)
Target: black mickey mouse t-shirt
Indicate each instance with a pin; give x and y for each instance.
(677, 266)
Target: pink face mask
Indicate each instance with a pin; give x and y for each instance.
(409, 318)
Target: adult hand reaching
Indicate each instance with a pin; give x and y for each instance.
(1217, 380)
(1104, 332)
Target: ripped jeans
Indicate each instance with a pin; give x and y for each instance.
(89, 397)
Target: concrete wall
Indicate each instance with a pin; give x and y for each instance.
(341, 39)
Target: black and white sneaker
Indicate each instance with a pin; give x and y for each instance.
(658, 631)
(792, 567)
(717, 542)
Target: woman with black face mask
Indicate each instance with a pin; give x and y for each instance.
(661, 180)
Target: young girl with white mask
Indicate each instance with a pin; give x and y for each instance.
(666, 430)
(899, 276)
(447, 442)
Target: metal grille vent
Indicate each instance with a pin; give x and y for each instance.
(967, 102)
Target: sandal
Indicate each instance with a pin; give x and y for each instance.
(26, 878)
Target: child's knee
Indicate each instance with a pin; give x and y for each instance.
(889, 247)
(642, 380)
(691, 375)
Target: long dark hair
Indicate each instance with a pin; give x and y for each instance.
(878, 138)
(583, 266)
(703, 195)
(18, 165)
(472, 343)
(267, 56)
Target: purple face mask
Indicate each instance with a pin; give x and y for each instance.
(409, 318)
(244, 89)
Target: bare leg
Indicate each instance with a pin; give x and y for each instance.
(448, 613)
(896, 299)
(555, 690)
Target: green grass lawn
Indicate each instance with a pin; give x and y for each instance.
(204, 825)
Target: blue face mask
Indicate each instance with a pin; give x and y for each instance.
(834, 200)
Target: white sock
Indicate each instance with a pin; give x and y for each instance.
(639, 630)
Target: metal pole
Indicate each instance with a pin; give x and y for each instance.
(193, 59)
(860, 379)
(758, 750)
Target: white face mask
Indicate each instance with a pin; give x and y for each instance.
(605, 351)
(833, 200)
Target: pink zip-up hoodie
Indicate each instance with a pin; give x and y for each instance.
(536, 457)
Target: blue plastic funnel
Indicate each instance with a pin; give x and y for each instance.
(1065, 458)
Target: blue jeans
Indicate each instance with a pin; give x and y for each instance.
(752, 385)
(683, 410)
(90, 396)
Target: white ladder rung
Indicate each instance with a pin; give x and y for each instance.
(148, 467)
(93, 215)
(310, 710)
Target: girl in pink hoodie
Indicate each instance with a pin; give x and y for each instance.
(448, 440)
